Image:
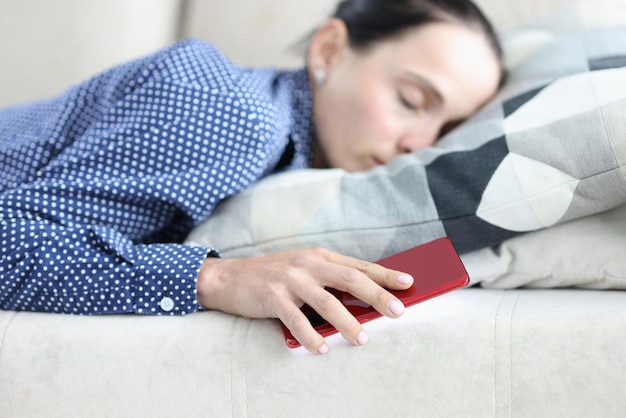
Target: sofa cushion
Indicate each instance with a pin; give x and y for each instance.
(474, 352)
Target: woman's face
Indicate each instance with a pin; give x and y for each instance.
(397, 96)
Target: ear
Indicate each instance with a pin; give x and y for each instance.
(327, 46)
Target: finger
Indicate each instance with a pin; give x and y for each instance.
(358, 284)
(388, 278)
(300, 326)
(333, 311)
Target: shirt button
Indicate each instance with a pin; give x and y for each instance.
(167, 304)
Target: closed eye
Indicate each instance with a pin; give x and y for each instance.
(407, 103)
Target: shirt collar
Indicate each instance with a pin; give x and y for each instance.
(302, 130)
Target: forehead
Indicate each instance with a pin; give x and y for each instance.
(456, 59)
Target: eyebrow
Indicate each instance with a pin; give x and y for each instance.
(428, 85)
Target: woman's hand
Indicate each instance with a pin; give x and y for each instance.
(276, 286)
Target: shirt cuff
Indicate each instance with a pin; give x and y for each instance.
(166, 279)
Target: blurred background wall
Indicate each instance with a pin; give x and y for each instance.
(46, 46)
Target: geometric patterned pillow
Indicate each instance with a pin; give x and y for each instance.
(550, 148)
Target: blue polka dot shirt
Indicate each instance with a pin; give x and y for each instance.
(99, 187)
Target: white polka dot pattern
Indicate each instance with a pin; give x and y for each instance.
(99, 186)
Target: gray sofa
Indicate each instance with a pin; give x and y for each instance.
(477, 352)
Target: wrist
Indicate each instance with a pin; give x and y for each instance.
(209, 284)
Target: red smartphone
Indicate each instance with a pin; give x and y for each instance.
(436, 269)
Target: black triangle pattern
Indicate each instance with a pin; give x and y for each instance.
(606, 63)
(511, 105)
(457, 182)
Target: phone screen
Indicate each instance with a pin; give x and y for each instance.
(436, 269)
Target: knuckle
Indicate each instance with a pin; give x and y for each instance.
(288, 273)
(376, 270)
(301, 260)
(325, 302)
(307, 258)
(350, 277)
(390, 275)
(296, 321)
(380, 296)
(273, 292)
(365, 266)
(320, 252)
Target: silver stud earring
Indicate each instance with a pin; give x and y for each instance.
(320, 77)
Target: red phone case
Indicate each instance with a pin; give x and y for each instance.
(436, 269)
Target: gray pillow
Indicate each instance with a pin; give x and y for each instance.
(550, 148)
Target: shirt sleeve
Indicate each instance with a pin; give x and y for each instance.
(100, 186)
(48, 267)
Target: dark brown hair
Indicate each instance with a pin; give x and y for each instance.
(371, 21)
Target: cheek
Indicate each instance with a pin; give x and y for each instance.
(348, 120)
(357, 121)
(380, 117)
(372, 115)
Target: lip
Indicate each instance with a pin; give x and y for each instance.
(377, 162)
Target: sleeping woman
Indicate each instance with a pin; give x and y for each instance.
(99, 186)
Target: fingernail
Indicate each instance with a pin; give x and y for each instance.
(362, 339)
(405, 279)
(396, 307)
(323, 349)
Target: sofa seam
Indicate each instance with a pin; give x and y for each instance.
(245, 369)
(230, 365)
(508, 301)
(495, 356)
(517, 296)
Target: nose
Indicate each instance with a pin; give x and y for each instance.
(417, 139)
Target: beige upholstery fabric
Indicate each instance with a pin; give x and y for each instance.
(473, 353)
(47, 46)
